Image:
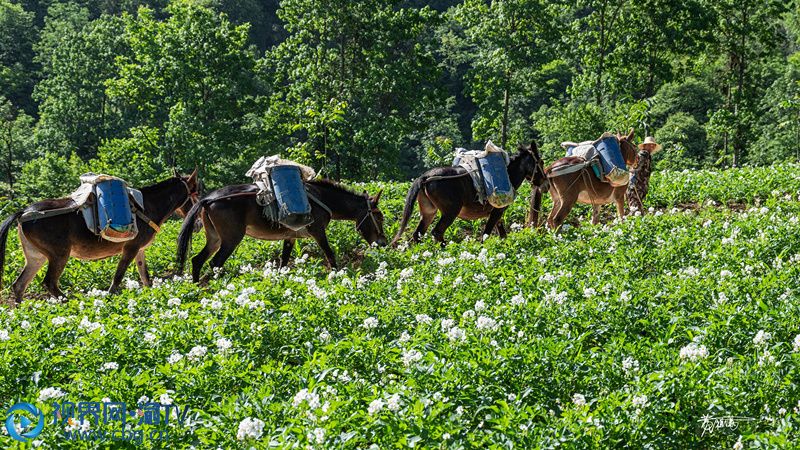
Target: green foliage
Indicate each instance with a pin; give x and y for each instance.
(624, 335)
(692, 96)
(136, 159)
(685, 144)
(16, 144)
(190, 77)
(51, 176)
(17, 70)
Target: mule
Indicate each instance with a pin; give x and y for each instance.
(584, 187)
(450, 190)
(54, 239)
(231, 213)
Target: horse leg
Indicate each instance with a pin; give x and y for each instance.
(34, 260)
(501, 229)
(226, 249)
(427, 212)
(322, 240)
(55, 267)
(141, 266)
(493, 220)
(125, 259)
(620, 202)
(564, 208)
(595, 214)
(286, 254)
(213, 242)
(444, 223)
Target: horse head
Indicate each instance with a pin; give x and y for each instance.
(629, 151)
(532, 164)
(192, 185)
(371, 225)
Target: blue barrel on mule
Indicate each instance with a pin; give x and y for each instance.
(291, 199)
(499, 191)
(114, 217)
(610, 154)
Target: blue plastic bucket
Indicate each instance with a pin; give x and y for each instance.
(114, 208)
(610, 154)
(294, 210)
(499, 191)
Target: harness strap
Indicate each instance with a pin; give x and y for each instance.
(36, 215)
(140, 214)
(319, 202)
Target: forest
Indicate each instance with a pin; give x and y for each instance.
(381, 89)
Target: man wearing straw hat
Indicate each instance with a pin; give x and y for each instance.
(640, 180)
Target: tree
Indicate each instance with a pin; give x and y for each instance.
(76, 112)
(15, 138)
(190, 77)
(351, 80)
(504, 43)
(17, 69)
(745, 32)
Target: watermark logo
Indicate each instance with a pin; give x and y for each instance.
(18, 422)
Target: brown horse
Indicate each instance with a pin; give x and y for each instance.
(584, 187)
(230, 213)
(450, 190)
(54, 239)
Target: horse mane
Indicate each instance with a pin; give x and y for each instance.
(335, 185)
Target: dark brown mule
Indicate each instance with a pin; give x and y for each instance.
(584, 187)
(230, 213)
(55, 239)
(450, 190)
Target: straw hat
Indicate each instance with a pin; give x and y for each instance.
(650, 144)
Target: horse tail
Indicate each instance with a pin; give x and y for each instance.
(416, 186)
(187, 229)
(3, 235)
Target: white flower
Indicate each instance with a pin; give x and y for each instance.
(796, 343)
(319, 435)
(25, 325)
(578, 399)
(165, 399)
(511, 397)
(370, 323)
(311, 398)
(58, 321)
(50, 393)
(630, 365)
(518, 300)
(404, 337)
(694, 352)
(250, 428)
(411, 356)
(480, 305)
(447, 324)
(223, 345)
(639, 401)
(149, 337)
(738, 445)
(89, 326)
(446, 436)
(375, 407)
(131, 284)
(423, 319)
(393, 403)
(174, 358)
(143, 399)
(456, 334)
(197, 353)
(589, 292)
(174, 301)
(762, 337)
(486, 323)
(4, 336)
(110, 366)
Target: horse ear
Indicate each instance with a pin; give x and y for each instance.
(631, 134)
(377, 197)
(193, 176)
(534, 148)
(175, 173)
